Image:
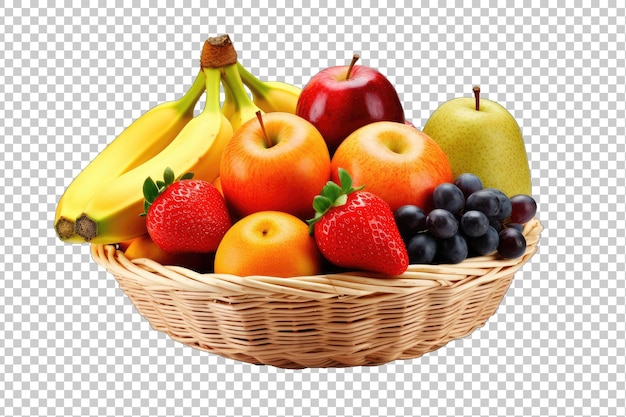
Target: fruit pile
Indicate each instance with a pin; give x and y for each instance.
(271, 179)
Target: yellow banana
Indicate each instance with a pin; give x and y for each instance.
(270, 96)
(245, 109)
(229, 106)
(140, 141)
(113, 215)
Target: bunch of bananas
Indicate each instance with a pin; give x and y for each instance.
(102, 204)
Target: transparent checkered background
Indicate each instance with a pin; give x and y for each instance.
(72, 76)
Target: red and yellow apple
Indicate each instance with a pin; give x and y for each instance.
(278, 161)
(340, 99)
(395, 161)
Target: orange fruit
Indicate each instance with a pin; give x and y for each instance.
(123, 245)
(270, 243)
(144, 247)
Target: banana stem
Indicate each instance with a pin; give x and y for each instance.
(230, 76)
(65, 228)
(218, 52)
(256, 86)
(227, 93)
(191, 97)
(212, 87)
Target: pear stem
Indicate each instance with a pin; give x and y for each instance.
(267, 140)
(477, 96)
(355, 58)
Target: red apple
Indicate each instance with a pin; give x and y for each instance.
(395, 161)
(278, 161)
(338, 100)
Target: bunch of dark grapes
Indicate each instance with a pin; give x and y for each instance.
(467, 220)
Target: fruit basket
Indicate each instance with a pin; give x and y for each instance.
(333, 320)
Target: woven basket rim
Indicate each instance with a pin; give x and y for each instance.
(477, 270)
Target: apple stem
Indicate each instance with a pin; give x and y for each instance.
(477, 96)
(268, 142)
(355, 58)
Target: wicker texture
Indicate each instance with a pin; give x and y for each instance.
(339, 320)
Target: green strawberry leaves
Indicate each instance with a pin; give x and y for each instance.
(151, 189)
(332, 195)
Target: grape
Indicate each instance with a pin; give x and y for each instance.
(487, 243)
(496, 224)
(410, 220)
(512, 243)
(486, 201)
(452, 250)
(422, 248)
(468, 183)
(517, 226)
(474, 223)
(441, 223)
(505, 204)
(467, 220)
(524, 208)
(449, 197)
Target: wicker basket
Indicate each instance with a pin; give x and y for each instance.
(338, 320)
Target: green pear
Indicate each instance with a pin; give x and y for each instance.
(482, 137)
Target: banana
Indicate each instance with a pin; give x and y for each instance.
(245, 109)
(140, 141)
(229, 106)
(270, 96)
(113, 215)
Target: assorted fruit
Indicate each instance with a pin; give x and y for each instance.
(281, 181)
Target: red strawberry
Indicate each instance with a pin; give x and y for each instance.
(185, 215)
(356, 229)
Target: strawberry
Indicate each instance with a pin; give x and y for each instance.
(356, 229)
(184, 215)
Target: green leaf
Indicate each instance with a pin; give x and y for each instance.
(314, 219)
(331, 190)
(187, 176)
(341, 200)
(150, 190)
(345, 180)
(332, 195)
(321, 204)
(146, 207)
(168, 176)
(311, 222)
(150, 193)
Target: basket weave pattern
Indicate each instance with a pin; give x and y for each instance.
(334, 320)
